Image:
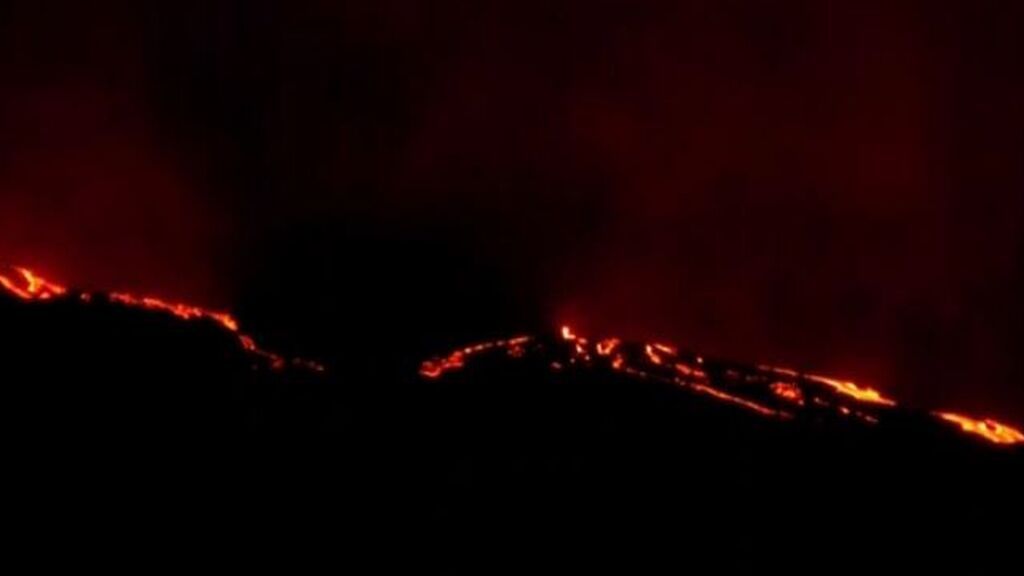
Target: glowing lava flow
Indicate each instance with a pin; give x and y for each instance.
(704, 389)
(29, 286)
(183, 311)
(789, 392)
(457, 359)
(853, 391)
(859, 393)
(989, 429)
(607, 346)
(769, 391)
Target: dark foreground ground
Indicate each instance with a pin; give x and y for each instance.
(135, 436)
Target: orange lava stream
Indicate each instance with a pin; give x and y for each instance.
(665, 349)
(183, 311)
(769, 386)
(30, 286)
(989, 429)
(607, 346)
(26, 285)
(436, 368)
(739, 401)
(652, 355)
(788, 392)
(850, 389)
(846, 388)
(655, 353)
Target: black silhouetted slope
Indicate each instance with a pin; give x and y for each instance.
(126, 426)
(162, 425)
(554, 440)
(596, 439)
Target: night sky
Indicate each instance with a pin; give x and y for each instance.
(834, 186)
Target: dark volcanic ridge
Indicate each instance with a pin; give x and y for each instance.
(805, 401)
(27, 286)
(134, 407)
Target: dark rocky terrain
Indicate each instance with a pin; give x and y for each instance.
(144, 427)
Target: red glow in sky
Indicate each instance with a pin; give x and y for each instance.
(833, 185)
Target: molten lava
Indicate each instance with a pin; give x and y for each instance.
(705, 389)
(853, 391)
(607, 346)
(26, 285)
(778, 393)
(789, 392)
(989, 429)
(183, 311)
(457, 359)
